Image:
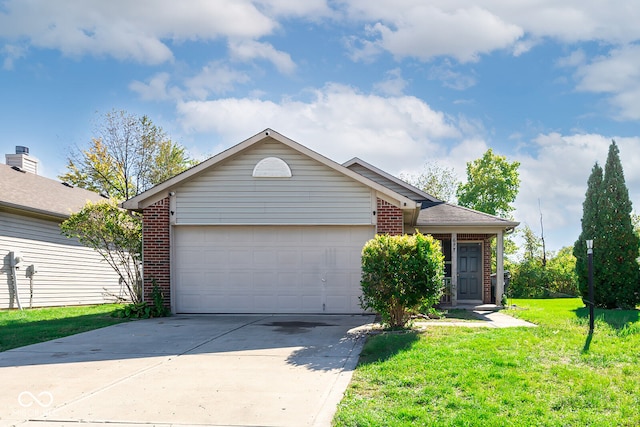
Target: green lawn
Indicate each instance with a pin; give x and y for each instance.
(553, 375)
(30, 326)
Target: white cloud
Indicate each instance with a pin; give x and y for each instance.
(338, 122)
(451, 78)
(557, 175)
(310, 9)
(214, 78)
(12, 53)
(393, 84)
(618, 75)
(247, 50)
(155, 89)
(574, 59)
(464, 30)
(129, 30)
(424, 31)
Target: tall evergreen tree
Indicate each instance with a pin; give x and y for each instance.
(591, 230)
(619, 246)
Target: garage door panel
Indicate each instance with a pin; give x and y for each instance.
(288, 257)
(215, 256)
(341, 303)
(264, 303)
(310, 303)
(191, 280)
(313, 257)
(268, 269)
(190, 257)
(312, 280)
(264, 258)
(285, 237)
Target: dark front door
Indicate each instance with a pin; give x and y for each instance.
(469, 271)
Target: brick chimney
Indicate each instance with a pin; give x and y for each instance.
(22, 160)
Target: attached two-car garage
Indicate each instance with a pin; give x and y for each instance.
(266, 226)
(268, 269)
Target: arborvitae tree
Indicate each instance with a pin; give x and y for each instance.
(618, 249)
(591, 230)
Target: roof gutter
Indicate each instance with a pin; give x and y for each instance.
(41, 212)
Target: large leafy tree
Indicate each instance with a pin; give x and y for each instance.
(618, 247)
(128, 155)
(437, 180)
(492, 185)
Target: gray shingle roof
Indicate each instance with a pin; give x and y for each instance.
(449, 214)
(34, 193)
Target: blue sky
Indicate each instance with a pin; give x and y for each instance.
(396, 83)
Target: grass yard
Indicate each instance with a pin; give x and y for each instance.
(553, 375)
(30, 326)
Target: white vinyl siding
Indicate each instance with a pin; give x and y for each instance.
(68, 273)
(268, 269)
(314, 194)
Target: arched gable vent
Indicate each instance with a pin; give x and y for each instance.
(272, 167)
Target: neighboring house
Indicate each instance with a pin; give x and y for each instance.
(270, 226)
(55, 270)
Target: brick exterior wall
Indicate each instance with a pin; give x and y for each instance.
(486, 262)
(156, 250)
(388, 219)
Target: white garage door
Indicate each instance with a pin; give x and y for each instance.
(268, 269)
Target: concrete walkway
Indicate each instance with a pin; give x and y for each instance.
(488, 316)
(186, 370)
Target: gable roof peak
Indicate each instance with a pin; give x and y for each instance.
(161, 190)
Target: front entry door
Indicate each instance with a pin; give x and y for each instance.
(469, 271)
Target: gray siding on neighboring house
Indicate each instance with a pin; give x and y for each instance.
(314, 194)
(359, 169)
(68, 273)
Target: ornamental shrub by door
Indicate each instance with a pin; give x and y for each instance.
(400, 273)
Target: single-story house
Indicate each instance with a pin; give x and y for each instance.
(55, 270)
(270, 226)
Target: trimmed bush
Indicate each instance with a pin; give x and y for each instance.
(399, 274)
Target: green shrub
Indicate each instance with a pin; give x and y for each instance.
(159, 308)
(399, 274)
(531, 279)
(142, 310)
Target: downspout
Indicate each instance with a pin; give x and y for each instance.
(15, 259)
(31, 271)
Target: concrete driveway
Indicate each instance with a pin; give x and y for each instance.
(208, 370)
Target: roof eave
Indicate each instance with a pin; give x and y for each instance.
(161, 190)
(506, 225)
(417, 191)
(40, 212)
